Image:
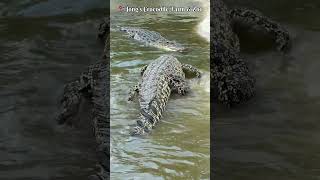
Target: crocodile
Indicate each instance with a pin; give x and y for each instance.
(152, 38)
(231, 80)
(93, 83)
(161, 77)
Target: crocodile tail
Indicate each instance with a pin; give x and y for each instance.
(150, 115)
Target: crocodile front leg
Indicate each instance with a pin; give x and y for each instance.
(257, 21)
(179, 85)
(133, 92)
(191, 69)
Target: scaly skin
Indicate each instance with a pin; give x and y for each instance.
(159, 79)
(93, 83)
(232, 82)
(151, 38)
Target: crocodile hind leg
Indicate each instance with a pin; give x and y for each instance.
(71, 98)
(135, 89)
(133, 92)
(70, 102)
(256, 21)
(179, 85)
(191, 69)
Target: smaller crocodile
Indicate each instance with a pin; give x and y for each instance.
(152, 38)
(161, 77)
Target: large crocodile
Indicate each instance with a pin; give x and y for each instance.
(152, 38)
(161, 77)
(232, 82)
